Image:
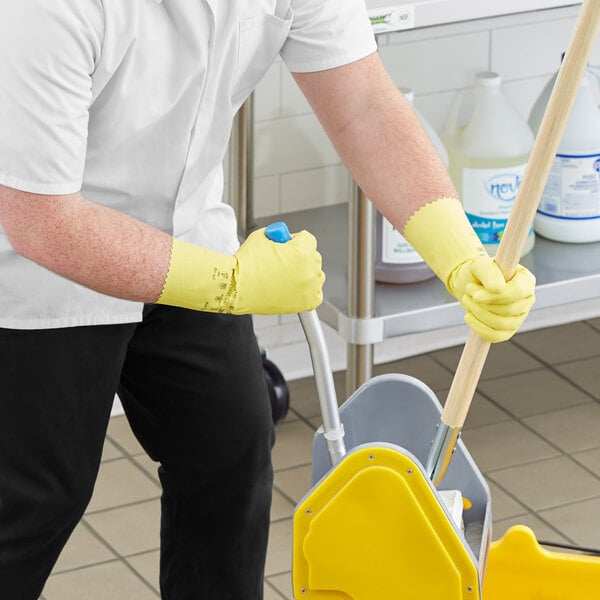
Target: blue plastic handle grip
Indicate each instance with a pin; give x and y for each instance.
(278, 232)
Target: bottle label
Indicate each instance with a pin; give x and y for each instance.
(572, 191)
(488, 197)
(394, 247)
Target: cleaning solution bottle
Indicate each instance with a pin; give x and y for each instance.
(569, 210)
(396, 261)
(488, 157)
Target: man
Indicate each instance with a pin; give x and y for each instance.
(120, 268)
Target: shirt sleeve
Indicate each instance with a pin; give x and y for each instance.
(327, 34)
(48, 52)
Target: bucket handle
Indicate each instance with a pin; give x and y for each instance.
(319, 356)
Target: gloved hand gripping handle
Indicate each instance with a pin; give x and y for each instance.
(334, 430)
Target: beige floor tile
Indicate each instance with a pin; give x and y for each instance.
(293, 444)
(130, 529)
(532, 392)
(542, 530)
(503, 359)
(121, 482)
(316, 422)
(422, 367)
(279, 550)
(295, 483)
(147, 565)
(595, 323)
(110, 451)
(548, 483)
(283, 584)
(110, 581)
(579, 522)
(120, 433)
(81, 550)
(482, 411)
(303, 395)
(589, 459)
(149, 466)
(504, 506)
(572, 430)
(584, 373)
(563, 343)
(505, 444)
(291, 415)
(281, 508)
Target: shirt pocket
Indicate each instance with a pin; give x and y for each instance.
(259, 41)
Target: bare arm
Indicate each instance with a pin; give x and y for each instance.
(378, 136)
(93, 245)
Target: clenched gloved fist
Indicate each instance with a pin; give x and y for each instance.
(442, 235)
(273, 278)
(494, 308)
(262, 277)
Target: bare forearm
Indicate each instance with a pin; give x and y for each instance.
(378, 136)
(98, 247)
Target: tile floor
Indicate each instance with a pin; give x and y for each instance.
(533, 430)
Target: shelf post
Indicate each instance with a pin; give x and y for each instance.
(241, 167)
(361, 284)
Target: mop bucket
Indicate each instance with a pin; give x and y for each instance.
(373, 526)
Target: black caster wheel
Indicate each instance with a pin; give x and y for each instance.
(279, 393)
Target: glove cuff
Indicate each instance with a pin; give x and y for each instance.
(441, 233)
(200, 279)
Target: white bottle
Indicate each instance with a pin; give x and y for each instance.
(396, 261)
(569, 210)
(488, 157)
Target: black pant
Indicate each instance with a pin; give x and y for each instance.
(193, 390)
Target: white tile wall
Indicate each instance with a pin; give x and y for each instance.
(297, 168)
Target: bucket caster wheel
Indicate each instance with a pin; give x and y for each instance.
(279, 393)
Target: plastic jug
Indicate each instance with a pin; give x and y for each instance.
(396, 261)
(569, 210)
(487, 158)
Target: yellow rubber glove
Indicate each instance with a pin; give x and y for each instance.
(441, 233)
(262, 277)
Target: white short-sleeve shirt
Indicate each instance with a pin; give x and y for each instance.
(131, 102)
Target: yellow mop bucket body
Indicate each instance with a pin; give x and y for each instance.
(520, 569)
(373, 527)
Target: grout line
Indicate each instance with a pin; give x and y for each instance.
(547, 524)
(279, 574)
(139, 467)
(535, 512)
(119, 506)
(87, 566)
(119, 556)
(288, 498)
(283, 519)
(274, 589)
(566, 504)
(131, 458)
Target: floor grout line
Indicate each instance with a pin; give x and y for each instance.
(120, 506)
(273, 588)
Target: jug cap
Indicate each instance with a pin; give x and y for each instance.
(488, 79)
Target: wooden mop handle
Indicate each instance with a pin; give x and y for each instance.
(528, 196)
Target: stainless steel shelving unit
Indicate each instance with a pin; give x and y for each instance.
(365, 313)
(568, 279)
